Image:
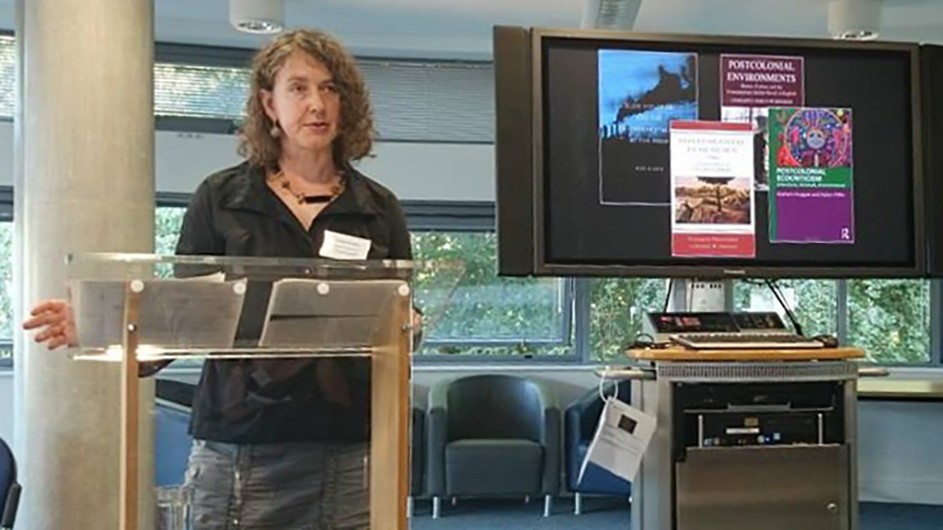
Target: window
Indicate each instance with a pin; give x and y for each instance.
(486, 314)
(200, 91)
(474, 313)
(7, 75)
(813, 302)
(491, 317)
(179, 89)
(204, 89)
(617, 309)
(890, 319)
(6, 293)
(167, 223)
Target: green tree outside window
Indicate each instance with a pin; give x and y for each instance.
(617, 309)
(890, 319)
(814, 302)
(488, 314)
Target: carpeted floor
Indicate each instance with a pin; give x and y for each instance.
(474, 514)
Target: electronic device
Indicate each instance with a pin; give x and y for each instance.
(725, 330)
(596, 133)
(758, 414)
(662, 324)
(730, 341)
(763, 428)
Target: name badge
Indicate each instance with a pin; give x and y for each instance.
(343, 246)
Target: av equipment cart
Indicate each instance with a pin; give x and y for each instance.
(747, 439)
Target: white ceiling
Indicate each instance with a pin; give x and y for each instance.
(462, 28)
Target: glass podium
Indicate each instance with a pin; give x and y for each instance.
(291, 350)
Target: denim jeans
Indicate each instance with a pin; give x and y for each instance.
(285, 486)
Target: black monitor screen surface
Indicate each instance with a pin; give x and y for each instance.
(660, 156)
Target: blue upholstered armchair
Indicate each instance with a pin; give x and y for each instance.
(172, 442)
(492, 435)
(417, 457)
(581, 419)
(172, 451)
(171, 431)
(9, 489)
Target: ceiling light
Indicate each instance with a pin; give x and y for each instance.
(257, 16)
(854, 19)
(610, 14)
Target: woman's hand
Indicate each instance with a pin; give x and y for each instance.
(56, 321)
(416, 328)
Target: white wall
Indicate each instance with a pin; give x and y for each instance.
(901, 457)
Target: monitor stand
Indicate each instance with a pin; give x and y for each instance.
(700, 295)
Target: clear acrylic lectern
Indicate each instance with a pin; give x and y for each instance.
(334, 335)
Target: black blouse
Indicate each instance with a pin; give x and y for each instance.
(235, 213)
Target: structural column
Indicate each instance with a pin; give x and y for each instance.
(83, 183)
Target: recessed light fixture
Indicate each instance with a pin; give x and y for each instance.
(854, 19)
(610, 14)
(257, 16)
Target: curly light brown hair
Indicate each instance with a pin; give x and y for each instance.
(355, 135)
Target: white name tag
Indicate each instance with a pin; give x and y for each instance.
(343, 246)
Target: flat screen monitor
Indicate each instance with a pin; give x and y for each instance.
(932, 62)
(639, 155)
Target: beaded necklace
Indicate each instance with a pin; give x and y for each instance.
(283, 182)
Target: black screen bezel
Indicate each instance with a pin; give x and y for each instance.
(542, 266)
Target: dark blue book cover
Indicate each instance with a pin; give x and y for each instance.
(640, 94)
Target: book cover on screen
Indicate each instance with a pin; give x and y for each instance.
(749, 86)
(640, 94)
(713, 197)
(811, 185)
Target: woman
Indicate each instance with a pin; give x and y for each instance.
(282, 444)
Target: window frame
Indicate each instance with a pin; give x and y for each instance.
(479, 216)
(843, 324)
(466, 217)
(935, 305)
(566, 340)
(6, 363)
(461, 216)
(6, 216)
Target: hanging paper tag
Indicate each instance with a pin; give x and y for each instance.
(621, 439)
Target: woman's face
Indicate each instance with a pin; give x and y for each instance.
(305, 102)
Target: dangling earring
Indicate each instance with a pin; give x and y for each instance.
(275, 131)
